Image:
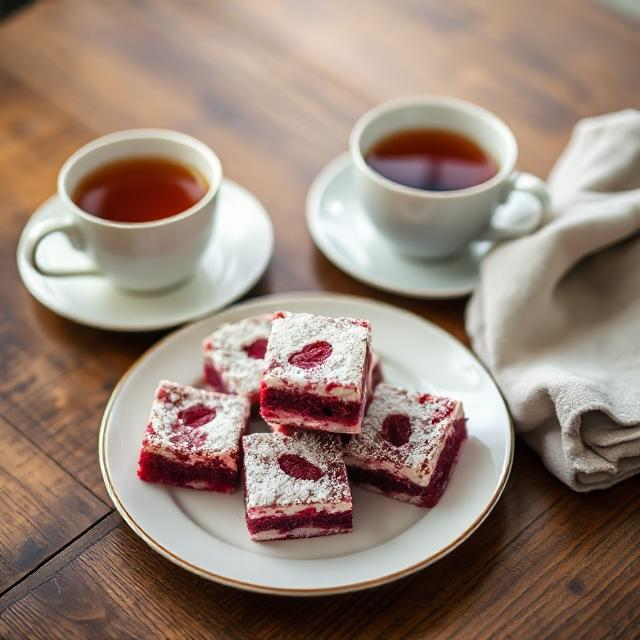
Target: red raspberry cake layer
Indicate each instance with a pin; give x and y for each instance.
(295, 486)
(409, 445)
(317, 372)
(193, 438)
(234, 356)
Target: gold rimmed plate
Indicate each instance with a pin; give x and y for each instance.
(205, 532)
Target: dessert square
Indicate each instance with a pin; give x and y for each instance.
(375, 378)
(234, 356)
(295, 486)
(409, 445)
(317, 372)
(193, 438)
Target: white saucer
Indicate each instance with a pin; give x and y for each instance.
(238, 254)
(341, 230)
(205, 532)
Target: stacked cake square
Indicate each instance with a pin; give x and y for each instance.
(317, 373)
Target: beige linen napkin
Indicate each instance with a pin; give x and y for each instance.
(556, 317)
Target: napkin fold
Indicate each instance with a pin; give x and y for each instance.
(556, 317)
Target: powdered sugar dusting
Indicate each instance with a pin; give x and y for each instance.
(226, 350)
(267, 484)
(431, 418)
(168, 431)
(340, 374)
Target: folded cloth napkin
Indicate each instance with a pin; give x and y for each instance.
(556, 316)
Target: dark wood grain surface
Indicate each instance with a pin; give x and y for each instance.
(274, 87)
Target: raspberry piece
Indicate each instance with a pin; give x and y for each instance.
(396, 429)
(197, 415)
(297, 467)
(257, 349)
(311, 355)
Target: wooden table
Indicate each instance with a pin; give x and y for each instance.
(274, 87)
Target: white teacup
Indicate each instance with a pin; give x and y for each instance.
(141, 256)
(437, 224)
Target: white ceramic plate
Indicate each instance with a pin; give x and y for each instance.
(239, 252)
(205, 532)
(342, 231)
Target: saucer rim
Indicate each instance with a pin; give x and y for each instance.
(318, 187)
(28, 276)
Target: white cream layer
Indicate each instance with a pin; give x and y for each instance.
(224, 458)
(288, 419)
(300, 532)
(254, 513)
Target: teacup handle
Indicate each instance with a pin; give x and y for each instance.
(520, 214)
(51, 225)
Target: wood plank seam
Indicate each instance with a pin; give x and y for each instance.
(5, 596)
(5, 603)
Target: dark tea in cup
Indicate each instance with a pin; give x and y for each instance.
(140, 189)
(431, 160)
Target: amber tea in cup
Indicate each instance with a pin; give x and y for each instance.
(140, 189)
(432, 173)
(431, 160)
